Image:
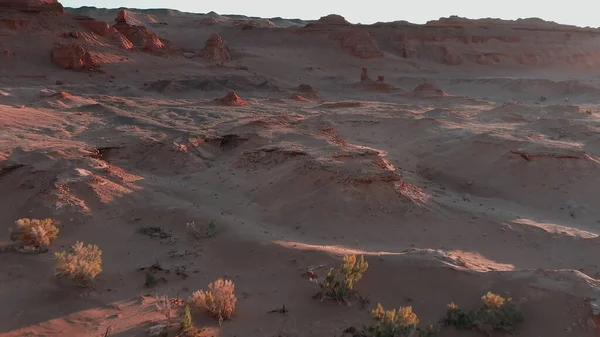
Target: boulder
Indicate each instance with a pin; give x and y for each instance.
(215, 49)
(72, 56)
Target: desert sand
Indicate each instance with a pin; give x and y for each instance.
(464, 158)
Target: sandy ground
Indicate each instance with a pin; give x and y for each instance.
(487, 188)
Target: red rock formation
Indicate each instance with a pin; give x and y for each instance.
(139, 36)
(72, 56)
(121, 16)
(364, 75)
(380, 79)
(102, 28)
(215, 49)
(36, 6)
(358, 43)
(232, 99)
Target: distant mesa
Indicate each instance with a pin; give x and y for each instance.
(35, 6)
(331, 20)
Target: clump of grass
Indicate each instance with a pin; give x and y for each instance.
(198, 232)
(496, 314)
(219, 300)
(33, 234)
(150, 281)
(81, 265)
(339, 283)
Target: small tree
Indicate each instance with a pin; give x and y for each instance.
(81, 265)
(219, 300)
(33, 234)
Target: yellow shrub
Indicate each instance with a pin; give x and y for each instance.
(401, 322)
(34, 233)
(82, 264)
(219, 300)
(492, 300)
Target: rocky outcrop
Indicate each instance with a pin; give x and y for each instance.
(451, 58)
(331, 20)
(357, 43)
(232, 99)
(72, 56)
(103, 29)
(35, 6)
(215, 49)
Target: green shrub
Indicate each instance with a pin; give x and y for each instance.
(150, 281)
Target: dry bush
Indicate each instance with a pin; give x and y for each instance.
(81, 265)
(339, 284)
(198, 232)
(163, 305)
(187, 327)
(33, 234)
(219, 300)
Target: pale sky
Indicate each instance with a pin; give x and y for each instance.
(574, 12)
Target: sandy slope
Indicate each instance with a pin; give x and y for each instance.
(486, 188)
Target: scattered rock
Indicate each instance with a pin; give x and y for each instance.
(232, 99)
(72, 56)
(215, 49)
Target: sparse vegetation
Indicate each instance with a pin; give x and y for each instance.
(339, 283)
(402, 322)
(198, 232)
(394, 323)
(33, 234)
(164, 305)
(81, 265)
(150, 281)
(219, 300)
(496, 314)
